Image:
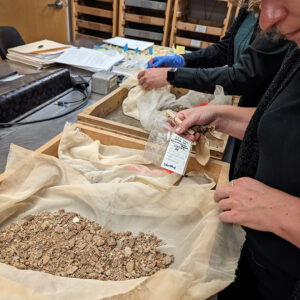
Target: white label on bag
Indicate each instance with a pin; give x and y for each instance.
(195, 43)
(200, 28)
(177, 154)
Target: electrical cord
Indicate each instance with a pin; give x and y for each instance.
(63, 103)
(82, 101)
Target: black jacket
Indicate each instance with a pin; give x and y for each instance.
(249, 77)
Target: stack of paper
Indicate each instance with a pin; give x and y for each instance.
(132, 44)
(89, 59)
(39, 54)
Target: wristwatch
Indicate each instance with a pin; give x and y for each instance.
(171, 75)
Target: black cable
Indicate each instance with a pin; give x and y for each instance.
(62, 102)
(83, 101)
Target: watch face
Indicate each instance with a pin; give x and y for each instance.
(171, 75)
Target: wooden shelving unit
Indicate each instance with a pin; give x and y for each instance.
(195, 33)
(146, 20)
(96, 19)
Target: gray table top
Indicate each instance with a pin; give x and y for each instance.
(33, 136)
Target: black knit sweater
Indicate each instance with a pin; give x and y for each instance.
(247, 159)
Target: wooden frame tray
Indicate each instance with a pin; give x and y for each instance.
(105, 114)
(217, 170)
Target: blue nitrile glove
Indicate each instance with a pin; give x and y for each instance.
(166, 61)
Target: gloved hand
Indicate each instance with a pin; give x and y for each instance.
(166, 61)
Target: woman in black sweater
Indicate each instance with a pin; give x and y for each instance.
(264, 196)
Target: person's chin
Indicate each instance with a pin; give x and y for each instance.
(294, 36)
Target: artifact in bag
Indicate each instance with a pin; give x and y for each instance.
(202, 144)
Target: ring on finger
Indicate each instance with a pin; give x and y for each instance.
(232, 183)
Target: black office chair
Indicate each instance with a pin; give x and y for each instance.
(9, 37)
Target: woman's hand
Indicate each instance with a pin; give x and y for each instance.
(226, 118)
(153, 78)
(250, 203)
(205, 115)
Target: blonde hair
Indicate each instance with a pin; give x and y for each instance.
(254, 5)
(237, 2)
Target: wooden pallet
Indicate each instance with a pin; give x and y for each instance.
(158, 14)
(94, 19)
(107, 114)
(207, 31)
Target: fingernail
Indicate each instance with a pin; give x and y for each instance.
(178, 130)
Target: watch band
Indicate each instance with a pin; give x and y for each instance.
(171, 75)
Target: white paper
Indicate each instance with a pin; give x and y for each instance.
(200, 28)
(89, 59)
(195, 43)
(177, 154)
(132, 44)
(11, 78)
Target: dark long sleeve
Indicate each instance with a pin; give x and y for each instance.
(255, 69)
(210, 57)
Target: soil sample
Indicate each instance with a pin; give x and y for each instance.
(66, 244)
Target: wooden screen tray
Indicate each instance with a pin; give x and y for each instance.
(217, 170)
(107, 114)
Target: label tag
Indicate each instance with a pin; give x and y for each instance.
(195, 43)
(200, 28)
(177, 154)
(113, 82)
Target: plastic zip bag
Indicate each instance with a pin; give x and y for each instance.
(166, 149)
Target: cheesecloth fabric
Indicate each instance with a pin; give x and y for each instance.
(149, 106)
(92, 180)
